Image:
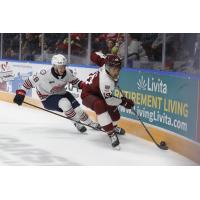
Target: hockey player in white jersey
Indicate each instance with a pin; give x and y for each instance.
(50, 86)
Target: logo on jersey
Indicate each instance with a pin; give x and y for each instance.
(57, 88)
(50, 82)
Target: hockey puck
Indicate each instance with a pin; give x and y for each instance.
(162, 143)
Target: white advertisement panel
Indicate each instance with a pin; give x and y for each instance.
(13, 74)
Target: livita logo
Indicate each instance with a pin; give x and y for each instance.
(142, 85)
(152, 85)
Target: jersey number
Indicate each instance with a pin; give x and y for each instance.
(90, 78)
(35, 78)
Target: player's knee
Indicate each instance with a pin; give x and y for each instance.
(99, 106)
(64, 104)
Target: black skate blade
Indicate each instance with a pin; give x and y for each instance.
(83, 130)
(121, 133)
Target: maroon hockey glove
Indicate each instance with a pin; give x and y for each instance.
(127, 103)
(19, 97)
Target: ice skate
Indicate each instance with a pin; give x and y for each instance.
(114, 141)
(81, 128)
(119, 131)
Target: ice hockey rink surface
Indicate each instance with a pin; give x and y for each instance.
(34, 137)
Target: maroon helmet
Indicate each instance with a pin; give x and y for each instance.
(113, 61)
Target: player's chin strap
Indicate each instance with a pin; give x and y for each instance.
(61, 116)
(115, 80)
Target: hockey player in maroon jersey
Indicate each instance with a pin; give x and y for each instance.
(50, 86)
(97, 95)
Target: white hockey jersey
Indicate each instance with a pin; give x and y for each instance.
(47, 82)
(107, 86)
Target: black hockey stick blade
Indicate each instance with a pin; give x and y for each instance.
(162, 144)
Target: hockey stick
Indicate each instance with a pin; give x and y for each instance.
(61, 116)
(162, 144)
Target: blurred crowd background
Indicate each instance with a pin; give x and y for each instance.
(162, 51)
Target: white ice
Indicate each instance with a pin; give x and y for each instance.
(34, 137)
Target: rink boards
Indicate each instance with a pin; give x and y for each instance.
(161, 100)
